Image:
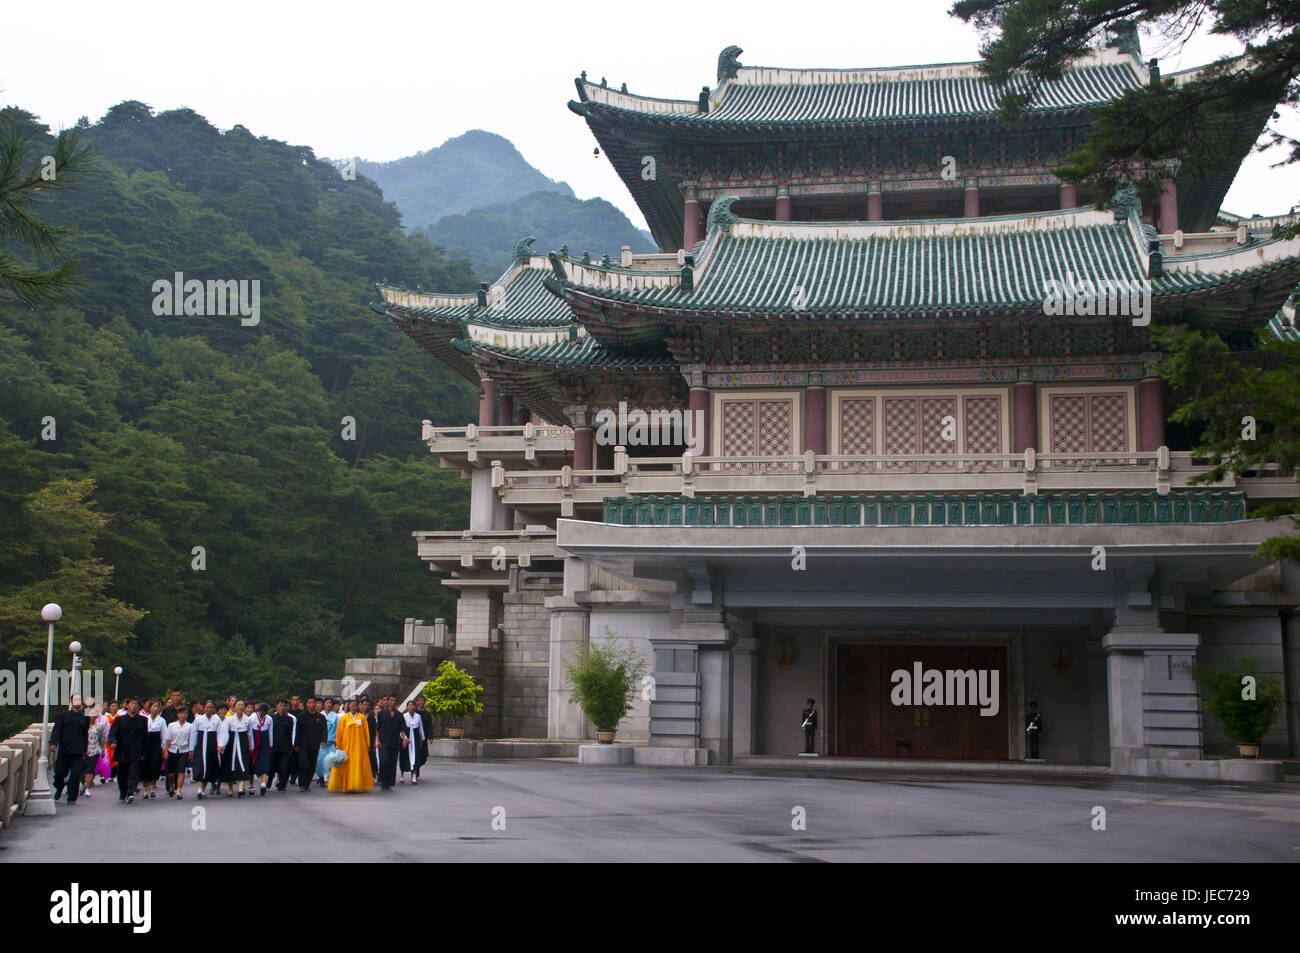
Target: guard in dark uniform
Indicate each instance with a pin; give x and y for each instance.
(810, 728)
(1033, 729)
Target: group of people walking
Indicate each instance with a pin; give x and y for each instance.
(238, 743)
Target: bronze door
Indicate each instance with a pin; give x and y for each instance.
(868, 724)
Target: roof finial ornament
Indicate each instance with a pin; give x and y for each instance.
(720, 214)
(584, 76)
(564, 249)
(586, 257)
(728, 63)
(623, 89)
(1125, 201)
(557, 266)
(523, 251)
(604, 83)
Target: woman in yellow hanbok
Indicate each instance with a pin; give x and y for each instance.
(353, 738)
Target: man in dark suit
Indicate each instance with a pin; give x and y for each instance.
(393, 737)
(311, 734)
(127, 738)
(71, 736)
(284, 744)
(810, 728)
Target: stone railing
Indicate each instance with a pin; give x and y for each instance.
(19, 758)
(813, 474)
(471, 440)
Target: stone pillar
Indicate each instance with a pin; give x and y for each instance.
(1153, 700)
(1151, 414)
(782, 203)
(1168, 207)
(744, 696)
(570, 624)
(814, 419)
(874, 204)
(1069, 195)
(691, 230)
(487, 392)
(477, 613)
(1024, 416)
(506, 410)
(700, 445)
(716, 702)
(972, 204)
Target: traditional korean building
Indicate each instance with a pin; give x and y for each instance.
(884, 404)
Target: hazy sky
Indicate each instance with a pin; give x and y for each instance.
(384, 79)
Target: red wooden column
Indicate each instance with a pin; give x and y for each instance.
(691, 231)
(1168, 207)
(523, 416)
(972, 205)
(584, 448)
(782, 203)
(814, 419)
(1024, 416)
(1069, 195)
(874, 209)
(699, 409)
(487, 392)
(1151, 414)
(506, 410)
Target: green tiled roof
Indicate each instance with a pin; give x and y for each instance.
(585, 351)
(897, 269)
(929, 509)
(875, 97)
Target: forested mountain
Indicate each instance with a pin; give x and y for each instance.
(472, 170)
(185, 486)
(488, 235)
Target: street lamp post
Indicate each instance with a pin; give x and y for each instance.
(117, 678)
(75, 681)
(40, 802)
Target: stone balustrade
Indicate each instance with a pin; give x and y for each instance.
(19, 758)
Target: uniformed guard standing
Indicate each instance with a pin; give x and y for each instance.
(1034, 729)
(810, 727)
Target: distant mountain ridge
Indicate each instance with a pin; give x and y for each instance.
(476, 195)
(469, 171)
(488, 235)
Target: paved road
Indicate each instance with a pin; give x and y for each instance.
(559, 810)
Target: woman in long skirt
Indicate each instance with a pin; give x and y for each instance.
(210, 740)
(331, 727)
(259, 735)
(96, 740)
(151, 762)
(353, 742)
(236, 761)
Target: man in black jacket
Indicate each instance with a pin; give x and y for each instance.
(393, 738)
(127, 738)
(71, 736)
(284, 744)
(311, 733)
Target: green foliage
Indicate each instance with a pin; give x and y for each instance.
(1218, 389)
(177, 432)
(470, 171)
(454, 692)
(1244, 720)
(488, 235)
(31, 171)
(605, 677)
(1207, 122)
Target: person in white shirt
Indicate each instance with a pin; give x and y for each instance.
(235, 763)
(178, 742)
(210, 740)
(152, 763)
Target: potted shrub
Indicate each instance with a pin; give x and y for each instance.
(605, 676)
(453, 694)
(1226, 696)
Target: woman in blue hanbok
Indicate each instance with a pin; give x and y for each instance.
(327, 749)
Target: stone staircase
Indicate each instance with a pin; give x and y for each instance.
(398, 668)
